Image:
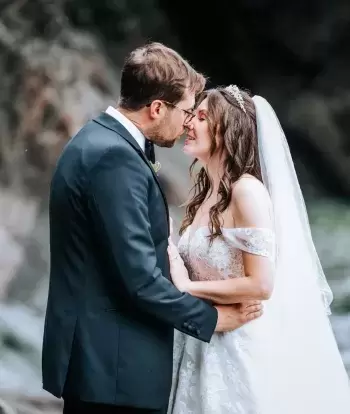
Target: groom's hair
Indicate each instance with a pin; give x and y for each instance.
(155, 71)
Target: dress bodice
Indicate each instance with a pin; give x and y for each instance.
(215, 377)
(223, 258)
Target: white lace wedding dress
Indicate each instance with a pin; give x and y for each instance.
(216, 377)
(228, 375)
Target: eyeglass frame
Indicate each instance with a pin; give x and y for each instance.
(189, 115)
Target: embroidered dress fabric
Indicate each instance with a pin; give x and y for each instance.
(242, 372)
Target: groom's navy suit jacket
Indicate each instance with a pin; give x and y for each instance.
(111, 308)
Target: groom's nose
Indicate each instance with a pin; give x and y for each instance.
(188, 126)
(187, 129)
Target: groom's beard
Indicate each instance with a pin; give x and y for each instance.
(163, 134)
(165, 144)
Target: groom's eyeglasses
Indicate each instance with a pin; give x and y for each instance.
(189, 114)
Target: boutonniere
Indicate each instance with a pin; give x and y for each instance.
(156, 166)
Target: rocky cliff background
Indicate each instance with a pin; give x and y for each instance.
(59, 66)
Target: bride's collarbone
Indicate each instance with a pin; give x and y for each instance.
(202, 219)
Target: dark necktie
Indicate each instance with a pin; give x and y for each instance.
(149, 151)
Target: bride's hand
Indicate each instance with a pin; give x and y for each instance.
(178, 271)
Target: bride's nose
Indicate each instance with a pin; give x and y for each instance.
(189, 125)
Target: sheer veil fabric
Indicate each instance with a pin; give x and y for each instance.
(299, 370)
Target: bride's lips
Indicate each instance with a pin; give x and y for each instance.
(189, 138)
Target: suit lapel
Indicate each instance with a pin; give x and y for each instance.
(111, 123)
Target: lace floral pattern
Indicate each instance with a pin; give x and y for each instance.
(215, 378)
(223, 259)
(257, 241)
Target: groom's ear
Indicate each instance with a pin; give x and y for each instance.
(156, 109)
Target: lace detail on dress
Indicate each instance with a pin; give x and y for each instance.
(215, 378)
(209, 262)
(259, 241)
(223, 259)
(236, 372)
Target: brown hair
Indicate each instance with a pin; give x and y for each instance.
(240, 153)
(155, 71)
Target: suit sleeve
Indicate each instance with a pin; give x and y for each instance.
(118, 191)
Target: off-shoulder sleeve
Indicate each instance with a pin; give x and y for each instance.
(259, 241)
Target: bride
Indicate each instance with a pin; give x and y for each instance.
(246, 237)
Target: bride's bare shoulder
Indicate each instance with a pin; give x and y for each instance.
(251, 202)
(249, 186)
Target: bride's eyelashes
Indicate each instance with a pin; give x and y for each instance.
(201, 116)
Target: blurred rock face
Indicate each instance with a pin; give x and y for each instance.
(59, 67)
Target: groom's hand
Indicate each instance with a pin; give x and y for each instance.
(231, 317)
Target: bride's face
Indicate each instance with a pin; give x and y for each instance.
(198, 138)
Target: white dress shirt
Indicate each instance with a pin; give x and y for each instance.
(132, 128)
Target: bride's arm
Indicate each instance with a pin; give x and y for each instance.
(250, 208)
(257, 285)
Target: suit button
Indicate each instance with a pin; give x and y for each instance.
(198, 332)
(185, 325)
(191, 328)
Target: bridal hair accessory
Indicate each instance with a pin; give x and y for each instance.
(234, 91)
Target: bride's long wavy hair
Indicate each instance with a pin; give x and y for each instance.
(238, 133)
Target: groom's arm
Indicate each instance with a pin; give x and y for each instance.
(118, 189)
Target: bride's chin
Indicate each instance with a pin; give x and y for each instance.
(187, 150)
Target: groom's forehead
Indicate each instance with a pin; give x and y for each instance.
(189, 100)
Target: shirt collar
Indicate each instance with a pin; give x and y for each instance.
(132, 128)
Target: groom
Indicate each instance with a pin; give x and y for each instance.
(111, 311)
